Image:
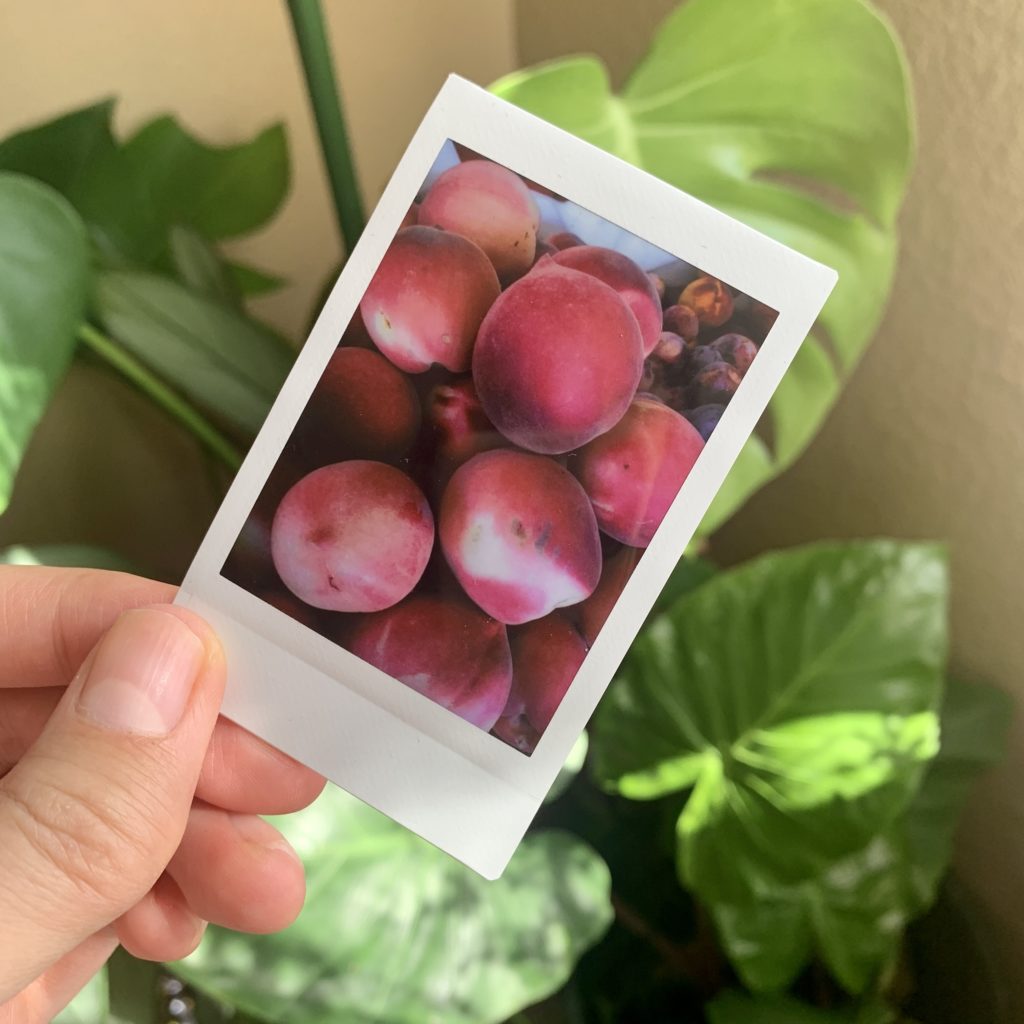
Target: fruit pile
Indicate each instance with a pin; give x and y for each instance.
(491, 447)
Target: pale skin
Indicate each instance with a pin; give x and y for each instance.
(122, 823)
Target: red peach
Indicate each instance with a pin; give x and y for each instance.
(633, 473)
(491, 206)
(352, 537)
(458, 424)
(520, 535)
(557, 360)
(594, 612)
(619, 272)
(447, 650)
(427, 299)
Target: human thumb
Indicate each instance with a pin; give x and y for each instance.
(92, 813)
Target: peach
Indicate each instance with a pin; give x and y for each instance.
(362, 408)
(520, 535)
(491, 206)
(633, 473)
(445, 649)
(615, 574)
(458, 425)
(352, 537)
(557, 360)
(546, 655)
(621, 273)
(427, 299)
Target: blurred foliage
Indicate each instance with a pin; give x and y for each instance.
(778, 766)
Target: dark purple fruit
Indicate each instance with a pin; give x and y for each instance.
(736, 349)
(705, 418)
(714, 385)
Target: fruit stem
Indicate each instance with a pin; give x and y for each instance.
(170, 401)
(322, 86)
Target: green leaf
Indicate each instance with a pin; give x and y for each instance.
(794, 117)
(213, 354)
(222, 191)
(251, 280)
(68, 555)
(690, 572)
(797, 695)
(732, 1007)
(853, 915)
(572, 767)
(199, 268)
(78, 155)
(44, 281)
(396, 932)
(90, 1006)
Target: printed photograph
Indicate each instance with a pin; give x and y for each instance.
(520, 395)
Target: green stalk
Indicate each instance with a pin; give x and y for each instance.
(311, 37)
(168, 400)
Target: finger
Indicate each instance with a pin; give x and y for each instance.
(240, 772)
(44, 998)
(238, 871)
(92, 813)
(161, 926)
(51, 619)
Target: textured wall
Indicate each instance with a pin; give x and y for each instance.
(928, 439)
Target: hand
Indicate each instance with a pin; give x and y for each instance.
(127, 807)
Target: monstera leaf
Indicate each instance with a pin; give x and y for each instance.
(396, 932)
(797, 696)
(854, 913)
(44, 282)
(790, 115)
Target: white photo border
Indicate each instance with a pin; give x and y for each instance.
(449, 781)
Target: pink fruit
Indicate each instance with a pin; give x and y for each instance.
(458, 424)
(352, 537)
(557, 360)
(427, 299)
(594, 612)
(489, 205)
(519, 534)
(362, 408)
(291, 606)
(447, 650)
(564, 240)
(634, 286)
(546, 655)
(633, 473)
(736, 349)
(683, 321)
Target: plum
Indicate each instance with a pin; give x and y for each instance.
(491, 206)
(546, 655)
(709, 299)
(445, 649)
(520, 535)
(670, 348)
(714, 385)
(352, 537)
(705, 418)
(557, 360)
(458, 425)
(681, 320)
(735, 349)
(619, 272)
(699, 358)
(594, 612)
(633, 473)
(362, 408)
(427, 299)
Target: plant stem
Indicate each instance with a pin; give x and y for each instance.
(311, 37)
(170, 401)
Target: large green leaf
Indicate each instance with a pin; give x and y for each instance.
(220, 190)
(213, 354)
(44, 281)
(797, 695)
(794, 117)
(396, 932)
(739, 1008)
(853, 915)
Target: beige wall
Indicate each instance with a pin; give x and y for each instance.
(928, 439)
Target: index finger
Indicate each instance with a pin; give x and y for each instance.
(50, 619)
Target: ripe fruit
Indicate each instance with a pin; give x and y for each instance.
(635, 287)
(633, 473)
(557, 359)
(564, 240)
(670, 348)
(714, 385)
(681, 320)
(705, 418)
(735, 349)
(594, 612)
(709, 299)
(520, 535)
(362, 408)
(491, 206)
(352, 537)
(546, 655)
(459, 427)
(445, 649)
(427, 299)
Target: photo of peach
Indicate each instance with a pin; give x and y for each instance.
(497, 438)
